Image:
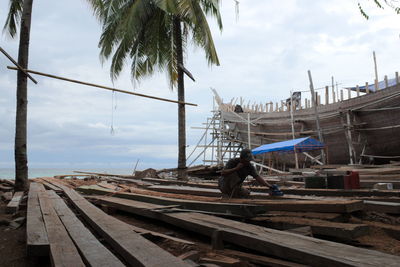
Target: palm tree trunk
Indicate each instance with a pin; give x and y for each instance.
(21, 159)
(182, 174)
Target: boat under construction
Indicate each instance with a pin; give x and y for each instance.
(361, 127)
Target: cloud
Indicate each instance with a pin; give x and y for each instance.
(263, 55)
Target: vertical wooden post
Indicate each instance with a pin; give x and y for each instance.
(271, 107)
(248, 129)
(319, 100)
(367, 88)
(386, 82)
(341, 95)
(292, 107)
(321, 138)
(358, 90)
(376, 68)
(333, 91)
(350, 139)
(306, 102)
(376, 85)
(309, 103)
(326, 95)
(276, 106)
(397, 77)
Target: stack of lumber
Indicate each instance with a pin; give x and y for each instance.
(53, 228)
(281, 244)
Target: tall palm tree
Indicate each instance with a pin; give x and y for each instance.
(153, 34)
(20, 12)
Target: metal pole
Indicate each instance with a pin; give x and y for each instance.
(321, 139)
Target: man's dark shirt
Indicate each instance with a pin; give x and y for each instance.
(243, 172)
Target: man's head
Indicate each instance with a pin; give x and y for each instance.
(246, 155)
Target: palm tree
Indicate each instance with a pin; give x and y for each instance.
(153, 34)
(20, 12)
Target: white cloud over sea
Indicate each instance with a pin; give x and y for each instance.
(264, 55)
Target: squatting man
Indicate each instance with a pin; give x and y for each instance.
(235, 172)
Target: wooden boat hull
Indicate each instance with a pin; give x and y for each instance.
(367, 126)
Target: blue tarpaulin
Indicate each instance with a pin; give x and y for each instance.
(300, 144)
(371, 86)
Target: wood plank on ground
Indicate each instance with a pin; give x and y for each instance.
(50, 186)
(293, 247)
(134, 248)
(13, 205)
(343, 192)
(93, 252)
(36, 234)
(385, 207)
(62, 249)
(345, 231)
(243, 208)
(261, 260)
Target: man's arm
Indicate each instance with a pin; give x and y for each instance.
(261, 181)
(225, 172)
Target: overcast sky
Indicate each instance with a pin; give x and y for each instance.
(264, 54)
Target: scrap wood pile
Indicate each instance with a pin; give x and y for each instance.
(280, 231)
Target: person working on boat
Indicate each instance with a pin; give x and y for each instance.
(235, 172)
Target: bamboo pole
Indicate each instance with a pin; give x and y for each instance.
(341, 95)
(397, 77)
(367, 88)
(16, 64)
(348, 93)
(103, 87)
(358, 90)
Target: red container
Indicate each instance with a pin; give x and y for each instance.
(352, 181)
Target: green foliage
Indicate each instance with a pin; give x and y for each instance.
(142, 31)
(13, 17)
(393, 4)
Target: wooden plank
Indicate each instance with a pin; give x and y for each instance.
(345, 231)
(62, 250)
(293, 247)
(92, 251)
(36, 234)
(13, 205)
(343, 192)
(244, 208)
(385, 207)
(50, 186)
(134, 248)
(260, 260)
(6, 188)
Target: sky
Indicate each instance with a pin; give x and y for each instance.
(265, 53)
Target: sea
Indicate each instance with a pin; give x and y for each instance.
(9, 173)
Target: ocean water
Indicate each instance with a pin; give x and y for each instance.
(9, 173)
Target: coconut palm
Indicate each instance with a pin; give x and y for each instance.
(20, 12)
(153, 34)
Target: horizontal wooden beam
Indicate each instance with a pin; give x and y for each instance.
(13, 205)
(103, 87)
(281, 244)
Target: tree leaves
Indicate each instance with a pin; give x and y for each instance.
(142, 30)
